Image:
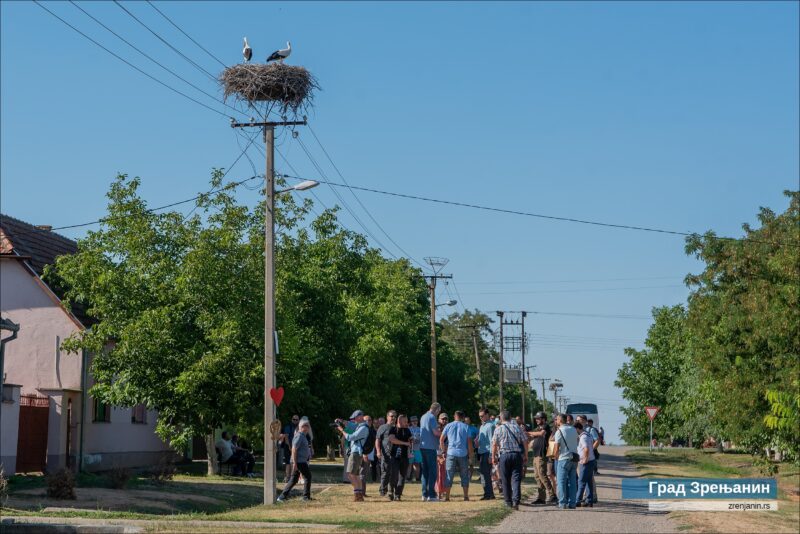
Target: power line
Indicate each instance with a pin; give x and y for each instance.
(212, 191)
(155, 61)
(544, 291)
(131, 64)
(521, 282)
(541, 216)
(324, 151)
(186, 34)
(195, 65)
(342, 200)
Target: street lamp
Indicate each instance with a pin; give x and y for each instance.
(270, 334)
(452, 302)
(302, 186)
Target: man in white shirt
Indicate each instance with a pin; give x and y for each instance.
(566, 439)
(227, 454)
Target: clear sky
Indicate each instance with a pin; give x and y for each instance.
(678, 115)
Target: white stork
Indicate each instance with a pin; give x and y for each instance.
(247, 52)
(280, 55)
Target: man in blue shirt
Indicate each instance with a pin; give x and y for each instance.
(356, 439)
(459, 448)
(484, 444)
(428, 445)
(566, 438)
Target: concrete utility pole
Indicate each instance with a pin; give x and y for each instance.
(502, 365)
(542, 381)
(436, 265)
(524, 383)
(474, 328)
(269, 298)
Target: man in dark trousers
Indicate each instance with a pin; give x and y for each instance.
(383, 450)
(369, 446)
(540, 436)
(509, 446)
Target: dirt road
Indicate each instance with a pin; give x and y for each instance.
(611, 514)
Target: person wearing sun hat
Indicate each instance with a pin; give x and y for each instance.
(356, 439)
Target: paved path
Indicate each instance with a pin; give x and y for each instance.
(611, 514)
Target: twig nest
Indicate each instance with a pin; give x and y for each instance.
(288, 85)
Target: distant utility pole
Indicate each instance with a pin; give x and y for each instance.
(436, 265)
(502, 365)
(474, 328)
(542, 381)
(269, 298)
(528, 370)
(555, 386)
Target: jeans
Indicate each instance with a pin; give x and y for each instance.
(567, 487)
(485, 468)
(510, 467)
(300, 469)
(429, 467)
(397, 480)
(585, 478)
(458, 464)
(386, 473)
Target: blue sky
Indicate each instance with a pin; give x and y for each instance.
(681, 116)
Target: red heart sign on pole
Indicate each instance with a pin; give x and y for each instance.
(277, 395)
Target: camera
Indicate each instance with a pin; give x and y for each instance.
(337, 423)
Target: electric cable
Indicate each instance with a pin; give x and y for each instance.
(336, 168)
(118, 36)
(195, 65)
(186, 34)
(38, 3)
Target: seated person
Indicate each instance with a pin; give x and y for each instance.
(227, 454)
(246, 454)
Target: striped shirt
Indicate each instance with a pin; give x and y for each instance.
(509, 437)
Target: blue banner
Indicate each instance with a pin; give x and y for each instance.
(699, 488)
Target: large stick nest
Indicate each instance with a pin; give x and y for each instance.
(287, 85)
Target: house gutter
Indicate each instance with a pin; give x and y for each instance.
(5, 324)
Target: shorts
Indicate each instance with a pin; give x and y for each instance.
(353, 465)
(417, 458)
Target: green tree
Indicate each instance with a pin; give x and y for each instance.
(744, 313)
(652, 377)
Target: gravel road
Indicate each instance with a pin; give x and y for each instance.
(610, 514)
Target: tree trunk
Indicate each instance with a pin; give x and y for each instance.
(211, 453)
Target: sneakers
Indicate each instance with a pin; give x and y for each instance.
(487, 498)
(424, 499)
(307, 499)
(389, 497)
(538, 502)
(280, 499)
(433, 499)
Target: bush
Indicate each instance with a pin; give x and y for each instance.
(61, 485)
(3, 487)
(163, 472)
(118, 477)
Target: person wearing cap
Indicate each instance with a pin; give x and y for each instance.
(356, 439)
(301, 454)
(541, 436)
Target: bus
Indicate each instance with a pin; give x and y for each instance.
(587, 409)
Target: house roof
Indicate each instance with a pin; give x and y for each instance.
(38, 247)
(42, 246)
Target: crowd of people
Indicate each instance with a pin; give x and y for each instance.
(434, 450)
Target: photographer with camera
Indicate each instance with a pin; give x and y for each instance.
(356, 440)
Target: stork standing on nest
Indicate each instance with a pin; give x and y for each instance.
(247, 52)
(280, 55)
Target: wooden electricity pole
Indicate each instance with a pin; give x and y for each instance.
(432, 289)
(269, 298)
(524, 383)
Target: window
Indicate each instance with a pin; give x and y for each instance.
(139, 414)
(102, 412)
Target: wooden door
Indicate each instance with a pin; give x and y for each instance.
(32, 437)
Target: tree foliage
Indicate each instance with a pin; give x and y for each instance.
(179, 306)
(727, 365)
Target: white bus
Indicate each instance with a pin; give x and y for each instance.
(587, 409)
